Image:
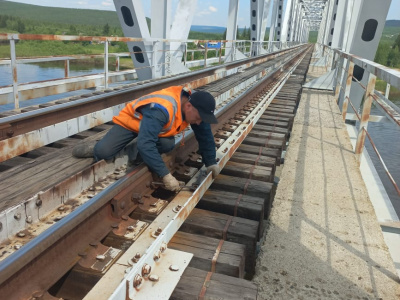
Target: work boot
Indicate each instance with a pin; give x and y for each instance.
(83, 150)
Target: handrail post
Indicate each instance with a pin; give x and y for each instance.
(348, 78)
(339, 73)
(106, 64)
(387, 91)
(66, 68)
(366, 111)
(185, 56)
(117, 63)
(14, 72)
(205, 55)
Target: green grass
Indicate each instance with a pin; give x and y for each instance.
(59, 15)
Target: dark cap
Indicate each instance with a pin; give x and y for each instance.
(204, 102)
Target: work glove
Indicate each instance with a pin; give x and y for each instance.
(215, 169)
(171, 183)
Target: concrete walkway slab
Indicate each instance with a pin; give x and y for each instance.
(323, 239)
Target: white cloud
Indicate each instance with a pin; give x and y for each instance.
(82, 2)
(106, 3)
(210, 10)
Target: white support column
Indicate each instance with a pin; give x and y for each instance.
(231, 53)
(181, 24)
(368, 21)
(332, 25)
(133, 23)
(298, 22)
(274, 19)
(286, 20)
(160, 28)
(295, 13)
(266, 9)
(255, 16)
(340, 23)
(279, 24)
(329, 5)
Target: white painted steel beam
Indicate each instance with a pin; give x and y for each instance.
(180, 29)
(366, 26)
(160, 28)
(273, 26)
(133, 22)
(255, 17)
(231, 52)
(279, 24)
(286, 22)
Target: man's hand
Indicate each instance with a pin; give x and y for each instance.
(215, 169)
(171, 183)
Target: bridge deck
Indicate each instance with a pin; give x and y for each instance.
(323, 239)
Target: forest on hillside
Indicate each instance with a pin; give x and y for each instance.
(388, 52)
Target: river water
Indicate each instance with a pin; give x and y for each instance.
(385, 135)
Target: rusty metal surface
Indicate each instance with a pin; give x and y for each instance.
(14, 271)
(185, 200)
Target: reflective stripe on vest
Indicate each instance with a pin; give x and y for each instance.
(165, 97)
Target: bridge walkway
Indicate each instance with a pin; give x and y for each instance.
(323, 240)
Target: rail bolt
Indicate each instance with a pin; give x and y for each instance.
(146, 269)
(17, 216)
(177, 208)
(163, 247)
(136, 258)
(157, 255)
(137, 281)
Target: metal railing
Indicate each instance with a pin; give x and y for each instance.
(189, 50)
(344, 63)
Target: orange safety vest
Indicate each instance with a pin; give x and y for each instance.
(170, 98)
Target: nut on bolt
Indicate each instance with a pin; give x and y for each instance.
(146, 270)
(137, 281)
(136, 258)
(177, 208)
(157, 232)
(157, 255)
(163, 247)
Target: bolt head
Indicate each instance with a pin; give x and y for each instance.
(157, 255)
(146, 269)
(17, 216)
(153, 278)
(137, 255)
(100, 257)
(38, 202)
(29, 219)
(174, 268)
(163, 247)
(137, 281)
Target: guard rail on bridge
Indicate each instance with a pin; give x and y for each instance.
(195, 53)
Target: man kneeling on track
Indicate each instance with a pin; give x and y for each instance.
(155, 119)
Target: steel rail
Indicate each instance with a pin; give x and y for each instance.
(188, 203)
(15, 262)
(26, 122)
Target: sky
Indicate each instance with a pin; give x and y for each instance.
(208, 12)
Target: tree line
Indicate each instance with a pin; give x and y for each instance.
(389, 54)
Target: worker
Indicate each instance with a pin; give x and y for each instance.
(155, 119)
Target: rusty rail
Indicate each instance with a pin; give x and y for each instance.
(54, 241)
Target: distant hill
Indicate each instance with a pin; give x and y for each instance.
(92, 17)
(392, 23)
(59, 15)
(208, 29)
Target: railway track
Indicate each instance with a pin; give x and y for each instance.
(102, 230)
